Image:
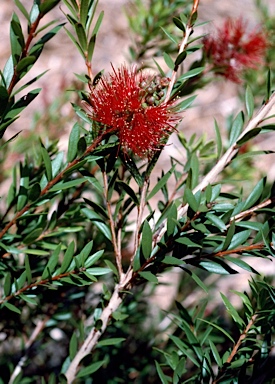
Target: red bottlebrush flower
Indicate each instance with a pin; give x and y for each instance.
(129, 104)
(233, 50)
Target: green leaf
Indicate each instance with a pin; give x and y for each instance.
(129, 191)
(268, 85)
(191, 199)
(23, 64)
(249, 135)
(47, 163)
(80, 31)
(180, 58)
(218, 139)
(73, 346)
(16, 39)
(149, 276)
(93, 258)
(193, 72)
(73, 141)
(170, 37)
(98, 271)
(215, 353)
(181, 106)
(188, 242)
(147, 238)
(197, 280)
(241, 263)
(162, 376)
(98, 23)
(57, 163)
(68, 184)
(84, 9)
(161, 183)
(34, 192)
(254, 195)
(229, 236)
(48, 5)
(34, 12)
(219, 328)
(38, 47)
(169, 61)
(12, 307)
(4, 98)
(172, 219)
(22, 103)
(232, 311)
(91, 47)
(249, 101)
(214, 267)
(216, 221)
(22, 8)
(178, 23)
(32, 236)
(7, 284)
(8, 71)
(85, 252)
(90, 369)
(239, 239)
(236, 128)
(31, 299)
(113, 341)
(20, 89)
(67, 257)
(170, 260)
(50, 267)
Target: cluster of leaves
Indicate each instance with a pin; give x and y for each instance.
(67, 219)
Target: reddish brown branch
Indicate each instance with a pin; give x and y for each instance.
(237, 346)
(51, 183)
(239, 250)
(31, 35)
(38, 283)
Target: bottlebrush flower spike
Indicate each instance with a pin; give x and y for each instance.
(233, 50)
(129, 104)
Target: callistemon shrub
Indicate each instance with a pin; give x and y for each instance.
(131, 105)
(234, 49)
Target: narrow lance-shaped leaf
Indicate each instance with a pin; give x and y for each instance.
(146, 241)
(47, 162)
(51, 263)
(168, 60)
(236, 128)
(160, 183)
(73, 141)
(16, 39)
(67, 257)
(232, 311)
(82, 39)
(98, 23)
(249, 101)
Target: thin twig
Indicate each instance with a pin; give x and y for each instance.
(37, 330)
(95, 334)
(182, 46)
(51, 183)
(117, 248)
(15, 78)
(141, 208)
(238, 344)
(38, 283)
(242, 249)
(250, 211)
